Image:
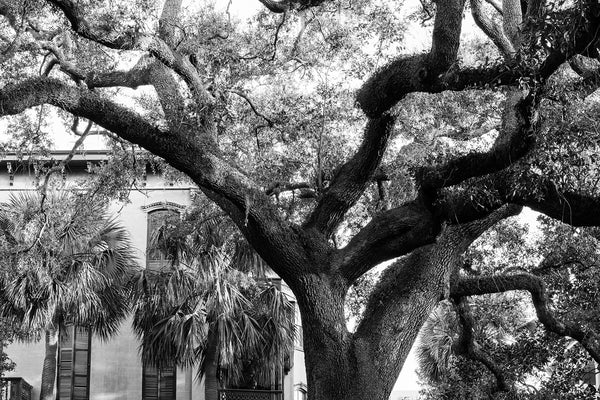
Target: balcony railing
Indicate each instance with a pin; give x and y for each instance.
(14, 389)
(249, 394)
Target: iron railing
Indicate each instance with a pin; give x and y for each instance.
(14, 389)
(249, 394)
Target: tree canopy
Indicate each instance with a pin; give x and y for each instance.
(260, 115)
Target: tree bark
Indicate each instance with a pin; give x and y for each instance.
(49, 366)
(329, 369)
(211, 379)
(365, 364)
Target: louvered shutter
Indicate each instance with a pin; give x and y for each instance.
(74, 364)
(167, 383)
(158, 384)
(81, 364)
(150, 383)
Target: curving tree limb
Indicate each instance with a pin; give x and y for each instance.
(515, 140)
(588, 338)
(278, 7)
(469, 347)
(512, 19)
(492, 29)
(352, 178)
(407, 292)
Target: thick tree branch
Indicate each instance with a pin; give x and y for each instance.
(585, 67)
(240, 197)
(162, 79)
(569, 206)
(281, 6)
(167, 22)
(352, 178)
(391, 234)
(171, 101)
(138, 41)
(515, 139)
(520, 186)
(76, 16)
(424, 73)
(468, 346)
(492, 29)
(278, 7)
(415, 73)
(133, 78)
(497, 6)
(409, 289)
(511, 21)
(589, 339)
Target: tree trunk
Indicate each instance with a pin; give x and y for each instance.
(211, 380)
(327, 342)
(365, 365)
(49, 367)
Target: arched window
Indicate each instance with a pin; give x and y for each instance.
(156, 259)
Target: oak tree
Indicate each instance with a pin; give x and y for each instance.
(202, 69)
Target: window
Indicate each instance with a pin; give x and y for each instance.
(158, 383)
(156, 259)
(74, 364)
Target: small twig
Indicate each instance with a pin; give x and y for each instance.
(75, 126)
(276, 39)
(252, 106)
(59, 167)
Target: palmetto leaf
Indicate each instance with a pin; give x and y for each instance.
(435, 342)
(202, 309)
(75, 269)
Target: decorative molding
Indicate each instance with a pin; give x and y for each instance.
(162, 205)
(11, 173)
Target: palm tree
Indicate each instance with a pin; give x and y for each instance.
(66, 263)
(204, 309)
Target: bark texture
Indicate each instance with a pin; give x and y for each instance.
(47, 388)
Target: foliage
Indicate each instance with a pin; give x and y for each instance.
(9, 332)
(541, 364)
(203, 306)
(66, 262)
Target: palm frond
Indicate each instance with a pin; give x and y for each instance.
(434, 347)
(76, 269)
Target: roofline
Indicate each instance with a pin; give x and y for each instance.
(80, 157)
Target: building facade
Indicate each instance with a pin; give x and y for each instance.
(89, 368)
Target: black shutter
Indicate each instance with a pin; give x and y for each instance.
(159, 384)
(73, 380)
